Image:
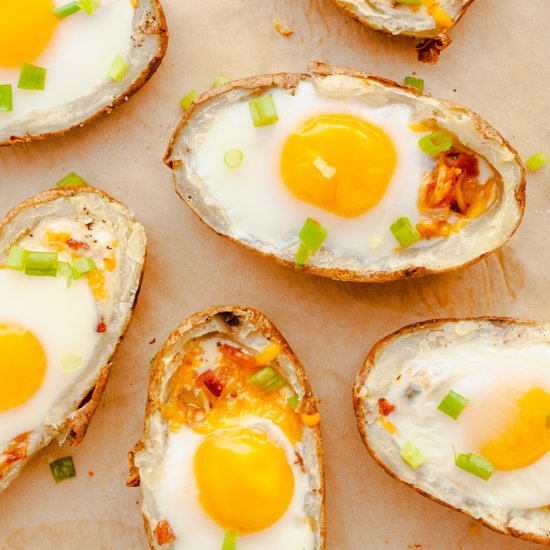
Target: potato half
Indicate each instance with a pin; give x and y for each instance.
(485, 234)
(248, 333)
(89, 212)
(482, 360)
(415, 21)
(149, 42)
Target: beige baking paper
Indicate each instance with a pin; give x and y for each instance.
(498, 65)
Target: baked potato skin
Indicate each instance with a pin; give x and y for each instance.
(78, 421)
(360, 414)
(232, 316)
(289, 81)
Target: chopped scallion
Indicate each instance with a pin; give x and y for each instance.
(230, 540)
(17, 258)
(65, 270)
(293, 401)
(302, 256)
(326, 170)
(405, 232)
(267, 379)
(66, 9)
(62, 468)
(263, 111)
(32, 77)
(476, 465)
(538, 160)
(186, 101)
(89, 6)
(6, 99)
(219, 80)
(412, 455)
(71, 180)
(453, 404)
(414, 82)
(118, 68)
(83, 265)
(312, 235)
(436, 142)
(71, 363)
(41, 264)
(233, 158)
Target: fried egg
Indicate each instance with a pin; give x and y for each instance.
(459, 410)
(235, 459)
(348, 151)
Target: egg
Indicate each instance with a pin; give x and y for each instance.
(76, 54)
(71, 263)
(458, 410)
(344, 149)
(427, 20)
(231, 446)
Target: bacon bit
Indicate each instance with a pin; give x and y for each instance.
(428, 49)
(240, 358)
(15, 139)
(212, 383)
(300, 461)
(101, 326)
(164, 533)
(77, 245)
(385, 407)
(15, 451)
(152, 341)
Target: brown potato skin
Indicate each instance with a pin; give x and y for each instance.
(230, 314)
(289, 81)
(161, 29)
(361, 420)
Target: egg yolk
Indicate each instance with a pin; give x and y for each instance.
(22, 366)
(244, 480)
(527, 438)
(340, 163)
(26, 28)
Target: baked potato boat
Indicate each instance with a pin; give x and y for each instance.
(77, 66)
(427, 21)
(231, 451)
(71, 265)
(458, 410)
(347, 175)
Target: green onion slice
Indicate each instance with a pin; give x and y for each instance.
(66, 9)
(219, 80)
(71, 363)
(267, 379)
(83, 265)
(405, 232)
(118, 68)
(233, 158)
(293, 401)
(476, 465)
(65, 270)
(453, 404)
(41, 264)
(412, 455)
(71, 180)
(263, 111)
(538, 160)
(312, 235)
(6, 99)
(32, 77)
(62, 468)
(89, 6)
(186, 101)
(302, 256)
(230, 540)
(17, 258)
(326, 170)
(436, 142)
(417, 83)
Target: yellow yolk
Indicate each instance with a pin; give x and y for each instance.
(340, 163)
(22, 366)
(244, 480)
(527, 439)
(26, 28)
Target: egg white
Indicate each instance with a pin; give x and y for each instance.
(255, 199)
(77, 58)
(477, 371)
(176, 495)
